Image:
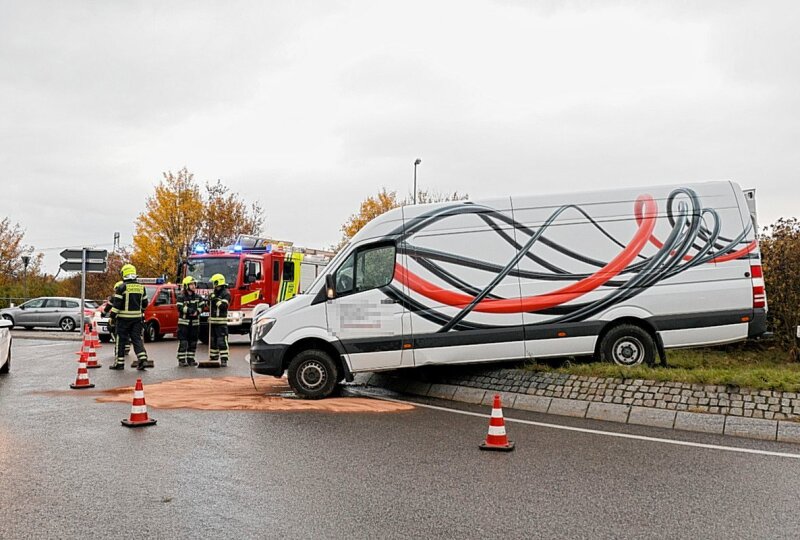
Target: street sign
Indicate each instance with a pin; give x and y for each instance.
(99, 254)
(77, 266)
(84, 260)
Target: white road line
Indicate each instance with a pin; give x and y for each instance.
(596, 431)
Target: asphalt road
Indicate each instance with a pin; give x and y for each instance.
(68, 469)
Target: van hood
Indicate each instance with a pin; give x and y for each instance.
(288, 306)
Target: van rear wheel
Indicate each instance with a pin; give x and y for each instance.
(313, 374)
(628, 345)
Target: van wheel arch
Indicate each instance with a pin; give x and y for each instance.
(319, 344)
(641, 324)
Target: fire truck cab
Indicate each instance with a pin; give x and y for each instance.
(257, 271)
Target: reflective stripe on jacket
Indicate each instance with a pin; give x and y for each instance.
(218, 306)
(189, 306)
(130, 300)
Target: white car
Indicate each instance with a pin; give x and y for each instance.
(5, 346)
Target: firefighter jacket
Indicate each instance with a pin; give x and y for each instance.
(189, 306)
(130, 300)
(218, 306)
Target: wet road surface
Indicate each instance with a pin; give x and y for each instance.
(68, 469)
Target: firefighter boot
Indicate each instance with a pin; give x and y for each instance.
(118, 364)
(150, 363)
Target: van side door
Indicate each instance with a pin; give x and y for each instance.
(368, 321)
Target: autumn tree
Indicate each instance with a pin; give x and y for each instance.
(373, 206)
(179, 214)
(780, 256)
(169, 226)
(16, 281)
(227, 216)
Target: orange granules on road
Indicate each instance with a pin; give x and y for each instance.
(238, 394)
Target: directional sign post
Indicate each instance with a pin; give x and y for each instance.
(84, 260)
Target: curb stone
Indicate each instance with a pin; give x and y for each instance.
(719, 424)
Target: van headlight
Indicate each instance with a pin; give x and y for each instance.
(261, 327)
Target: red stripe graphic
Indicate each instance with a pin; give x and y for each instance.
(645, 206)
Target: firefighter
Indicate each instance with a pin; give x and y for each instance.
(130, 301)
(218, 320)
(189, 307)
(112, 327)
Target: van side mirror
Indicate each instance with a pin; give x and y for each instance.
(330, 287)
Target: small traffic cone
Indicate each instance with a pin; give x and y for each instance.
(497, 439)
(95, 337)
(82, 381)
(139, 416)
(88, 351)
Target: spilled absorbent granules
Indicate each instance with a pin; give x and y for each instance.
(238, 394)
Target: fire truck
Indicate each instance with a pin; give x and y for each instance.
(257, 271)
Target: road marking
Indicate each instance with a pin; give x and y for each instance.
(597, 431)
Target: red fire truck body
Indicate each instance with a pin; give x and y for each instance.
(257, 271)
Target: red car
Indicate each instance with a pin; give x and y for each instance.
(160, 317)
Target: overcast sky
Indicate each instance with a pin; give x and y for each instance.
(309, 107)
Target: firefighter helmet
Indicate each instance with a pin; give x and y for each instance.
(188, 280)
(128, 272)
(218, 280)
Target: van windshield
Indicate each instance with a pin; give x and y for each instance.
(330, 267)
(201, 269)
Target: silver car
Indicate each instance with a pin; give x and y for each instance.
(59, 312)
(5, 346)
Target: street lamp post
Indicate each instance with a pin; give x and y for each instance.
(416, 162)
(25, 262)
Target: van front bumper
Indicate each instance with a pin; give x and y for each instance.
(267, 359)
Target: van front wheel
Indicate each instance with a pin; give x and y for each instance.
(628, 345)
(313, 374)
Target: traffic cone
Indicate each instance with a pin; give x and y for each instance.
(497, 439)
(95, 337)
(88, 352)
(82, 381)
(139, 416)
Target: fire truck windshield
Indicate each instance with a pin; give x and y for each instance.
(202, 269)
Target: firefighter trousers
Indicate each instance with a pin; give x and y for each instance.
(188, 334)
(129, 331)
(218, 347)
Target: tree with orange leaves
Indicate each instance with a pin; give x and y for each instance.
(373, 206)
(178, 215)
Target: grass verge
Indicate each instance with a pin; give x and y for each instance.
(751, 365)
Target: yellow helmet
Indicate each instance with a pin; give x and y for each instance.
(217, 280)
(128, 271)
(188, 280)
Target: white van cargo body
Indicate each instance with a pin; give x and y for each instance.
(619, 274)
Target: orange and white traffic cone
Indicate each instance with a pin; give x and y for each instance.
(82, 381)
(139, 416)
(95, 337)
(497, 439)
(88, 351)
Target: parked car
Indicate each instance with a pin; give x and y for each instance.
(160, 317)
(54, 311)
(5, 346)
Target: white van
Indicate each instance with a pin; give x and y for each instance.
(619, 274)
